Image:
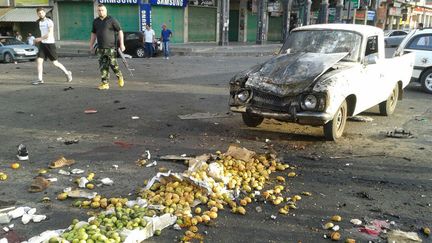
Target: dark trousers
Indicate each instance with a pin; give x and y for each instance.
(149, 49)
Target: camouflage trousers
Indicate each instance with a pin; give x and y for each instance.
(107, 59)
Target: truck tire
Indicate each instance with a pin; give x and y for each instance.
(139, 52)
(388, 107)
(252, 120)
(8, 58)
(426, 81)
(335, 128)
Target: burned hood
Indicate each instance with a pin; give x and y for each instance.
(291, 73)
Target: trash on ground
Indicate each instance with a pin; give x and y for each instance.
(135, 117)
(356, 221)
(61, 162)
(154, 163)
(77, 171)
(4, 218)
(39, 184)
(82, 182)
(401, 236)
(22, 153)
(175, 157)
(90, 111)
(6, 209)
(206, 115)
(335, 236)
(69, 142)
(68, 88)
(107, 181)
(240, 153)
(64, 172)
(80, 193)
(361, 118)
(399, 133)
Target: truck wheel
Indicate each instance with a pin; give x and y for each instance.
(387, 107)
(335, 128)
(426, 81)
(139, 52)
(8, 57)
(252, 120)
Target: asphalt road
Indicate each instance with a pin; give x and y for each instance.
(366, 175)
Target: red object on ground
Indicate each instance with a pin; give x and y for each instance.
(370, 231)
(123, 144)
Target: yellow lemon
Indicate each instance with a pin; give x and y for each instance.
(15, 165)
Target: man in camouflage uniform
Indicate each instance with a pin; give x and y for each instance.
(104, 31)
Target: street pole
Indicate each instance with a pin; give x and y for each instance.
(261, 22)
(307, 11)
(323, 13)
(339, 11)
(366, 15)
(223, 22)
(287, 16)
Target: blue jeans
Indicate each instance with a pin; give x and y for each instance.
(149, 49)
(166, 48)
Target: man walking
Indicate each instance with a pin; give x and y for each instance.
(104, 31)
(166, 34)
(149, 39)
(47, 48)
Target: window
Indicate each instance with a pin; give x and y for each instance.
(398, 33)
(372, 45)
(421, 42)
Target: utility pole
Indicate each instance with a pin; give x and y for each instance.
(223, 22)
(339, 11)
(261, 22)
(307, 11)
(323, 13)
(286, 19)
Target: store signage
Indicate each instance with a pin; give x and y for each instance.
(118, 1)
(145, 15)
(172, 3)
(202, 2)
(28, 3)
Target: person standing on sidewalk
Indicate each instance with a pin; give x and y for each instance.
(105, 29)
(166, 34)
(149, 39)
(47, 48)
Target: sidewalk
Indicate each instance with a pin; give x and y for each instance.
(80, 48)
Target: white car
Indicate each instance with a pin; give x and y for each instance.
(323, 74)
(394, 37)
(419, 42)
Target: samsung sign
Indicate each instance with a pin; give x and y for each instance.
(174, 3)
(118, 1)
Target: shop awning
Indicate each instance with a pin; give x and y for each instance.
(20, 15)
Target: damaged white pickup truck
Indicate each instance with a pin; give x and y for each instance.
(322, 75)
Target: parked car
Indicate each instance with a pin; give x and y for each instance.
(340, 71)
(135, 45)
(393, 38)
(419, 42)
(12, 50)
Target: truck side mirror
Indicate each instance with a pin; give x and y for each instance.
(371, 59)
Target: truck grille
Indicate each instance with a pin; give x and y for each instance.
(271, 102)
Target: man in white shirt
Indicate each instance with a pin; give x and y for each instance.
(47, 48)
(149, 39)
(30, 39)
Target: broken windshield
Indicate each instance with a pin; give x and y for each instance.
(324, 41)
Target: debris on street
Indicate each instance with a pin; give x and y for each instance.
(361, 118)
(399, 133)
(39, 184)
(206, 115)
(401, 236)
(61, 162)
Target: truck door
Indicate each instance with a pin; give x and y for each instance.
(371, 90)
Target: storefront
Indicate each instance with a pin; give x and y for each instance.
(202, 20)
(75, 20)
(170, 13)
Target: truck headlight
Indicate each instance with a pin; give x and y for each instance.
(310, 102)
(243, 95)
